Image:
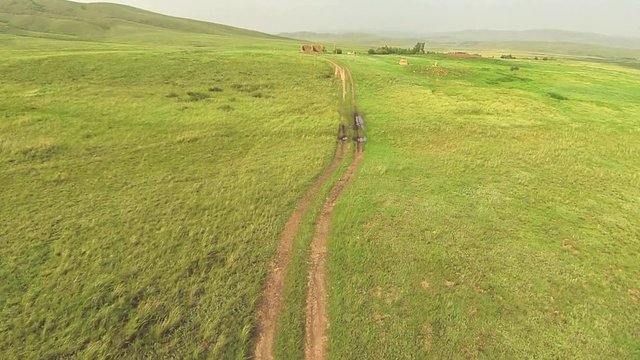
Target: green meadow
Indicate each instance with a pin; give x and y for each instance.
(496, 213)
(143, 193)
(148, 166)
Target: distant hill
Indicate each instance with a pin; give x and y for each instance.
(350, 38)
(63, 19)
(536, 41)
(536, 36)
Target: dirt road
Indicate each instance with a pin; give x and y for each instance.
(317, 322)
(273, 295)
(317, 319)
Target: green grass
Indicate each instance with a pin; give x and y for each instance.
(148, 165)
(66, 20)
(140, 209)
(490, 219)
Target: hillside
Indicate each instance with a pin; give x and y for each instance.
(475, 36)
(351, 38)
(544, 35)
(63, 19)
(553, 42)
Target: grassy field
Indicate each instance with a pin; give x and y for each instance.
(148, 165)
(67, 20)
(496, 213)
(143, 193)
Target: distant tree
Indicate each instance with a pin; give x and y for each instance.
(387, 50)
(418, 48)
(507, 57)
(383, 50)
(339, 51)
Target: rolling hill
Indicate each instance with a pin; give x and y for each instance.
(543, 35)
(61, 19)
(554, 42)
(353, 38)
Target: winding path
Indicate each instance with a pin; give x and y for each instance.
(273, 295)
(317, 320)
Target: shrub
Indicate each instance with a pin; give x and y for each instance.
(372, 51)
(246, 88)
(510, 57)
(260, 95)
(515, 68)
(338, 51)
(226, 108)
(418, 48)
(558, 96)
(216, 89)
(196, 96)
(172, 95)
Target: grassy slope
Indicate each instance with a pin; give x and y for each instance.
(108, 22)
(131, 235)
(136, 220)
(559, 49)
(490, 220)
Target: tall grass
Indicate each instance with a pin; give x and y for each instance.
(488, 219)
(136, 224)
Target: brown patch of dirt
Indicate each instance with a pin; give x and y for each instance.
(427, 336)
(388, 296)
(462, 55)
(449, 284)
(479, 290)
(635, 294)
(379, 318)
(568, 246)
(425, 285)
(317, 321)
(434, 70)
(377, 292)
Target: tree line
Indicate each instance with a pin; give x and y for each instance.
(387, 50)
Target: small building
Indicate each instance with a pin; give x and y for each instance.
(404, 62)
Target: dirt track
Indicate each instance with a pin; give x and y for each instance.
(317, 319)
(317, 322)
(273, 295)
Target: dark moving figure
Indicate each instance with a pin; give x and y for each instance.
(358, 128)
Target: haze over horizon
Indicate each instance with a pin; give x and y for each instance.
(408, 17)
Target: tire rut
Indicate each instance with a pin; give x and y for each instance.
(317, 318)
(273, 293)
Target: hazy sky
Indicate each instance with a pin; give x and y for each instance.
(615, 17)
